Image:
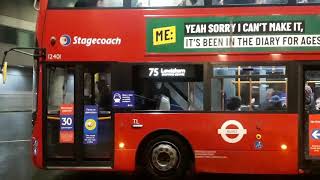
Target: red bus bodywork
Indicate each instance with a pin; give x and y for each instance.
(211, 152)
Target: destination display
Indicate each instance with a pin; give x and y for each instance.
(233, 34)
(171, 72)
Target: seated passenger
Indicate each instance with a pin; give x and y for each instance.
(275, 103)
(316, 108)
(242, 2)
(104, 96)
(192, 3)
(89, 3)
(308, 98)
(156, 3)
(217, 2)
(234, 104)
(271, 1)
(267, 102)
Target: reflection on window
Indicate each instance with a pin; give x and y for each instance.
(247, 2)
(166, 3)
(169, 96)
(307, 1)
(249, 88)
(85, 3)
(60, 88)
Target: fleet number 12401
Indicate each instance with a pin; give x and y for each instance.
(54, 56)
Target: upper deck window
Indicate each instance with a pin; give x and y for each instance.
(307, 1)
(167, 3)
(85, 3)
(247, 2)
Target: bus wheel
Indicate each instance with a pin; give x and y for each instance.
(166, 157)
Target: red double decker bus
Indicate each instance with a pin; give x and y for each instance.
(168, 87)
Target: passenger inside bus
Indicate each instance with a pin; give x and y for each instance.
(98, 3)
(104, 95)
(275, 103)
(309, 98)
(307, 1)
(162, 3)
(247, 2)
(234, 103)
(265, 105)
(316, 108)
(192, 3)
(89, 3)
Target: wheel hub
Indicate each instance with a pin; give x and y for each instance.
(165, 157)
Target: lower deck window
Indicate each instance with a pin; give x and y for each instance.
(249, 88)
(169, 88)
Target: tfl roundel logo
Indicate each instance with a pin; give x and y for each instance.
(238, 132)
(65, 40)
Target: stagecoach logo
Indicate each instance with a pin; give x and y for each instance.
(65, 40)
(239, 131)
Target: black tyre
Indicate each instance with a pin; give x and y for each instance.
(165, 157)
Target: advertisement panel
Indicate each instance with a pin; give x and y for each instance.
(233, 34)
(90, 129)
(66, 123)
(314, 136)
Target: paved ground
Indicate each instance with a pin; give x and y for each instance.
(110, 176)
(15, 161)
(15, 133)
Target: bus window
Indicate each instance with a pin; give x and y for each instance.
(169, 92)
(247, 2)
(154, 3)
(246, 88)
(192, 3)
(84, 3)
(167, 3)
(60, 88)
(97, 90)
(312, 91)
(307, 1)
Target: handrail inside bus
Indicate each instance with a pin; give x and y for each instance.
(99, 118)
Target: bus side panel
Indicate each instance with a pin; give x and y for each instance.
(124, 159)
(38, 126)
(250, 162)
(213, 153)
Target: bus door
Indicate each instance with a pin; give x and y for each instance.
(312, 113)
(79, 124)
